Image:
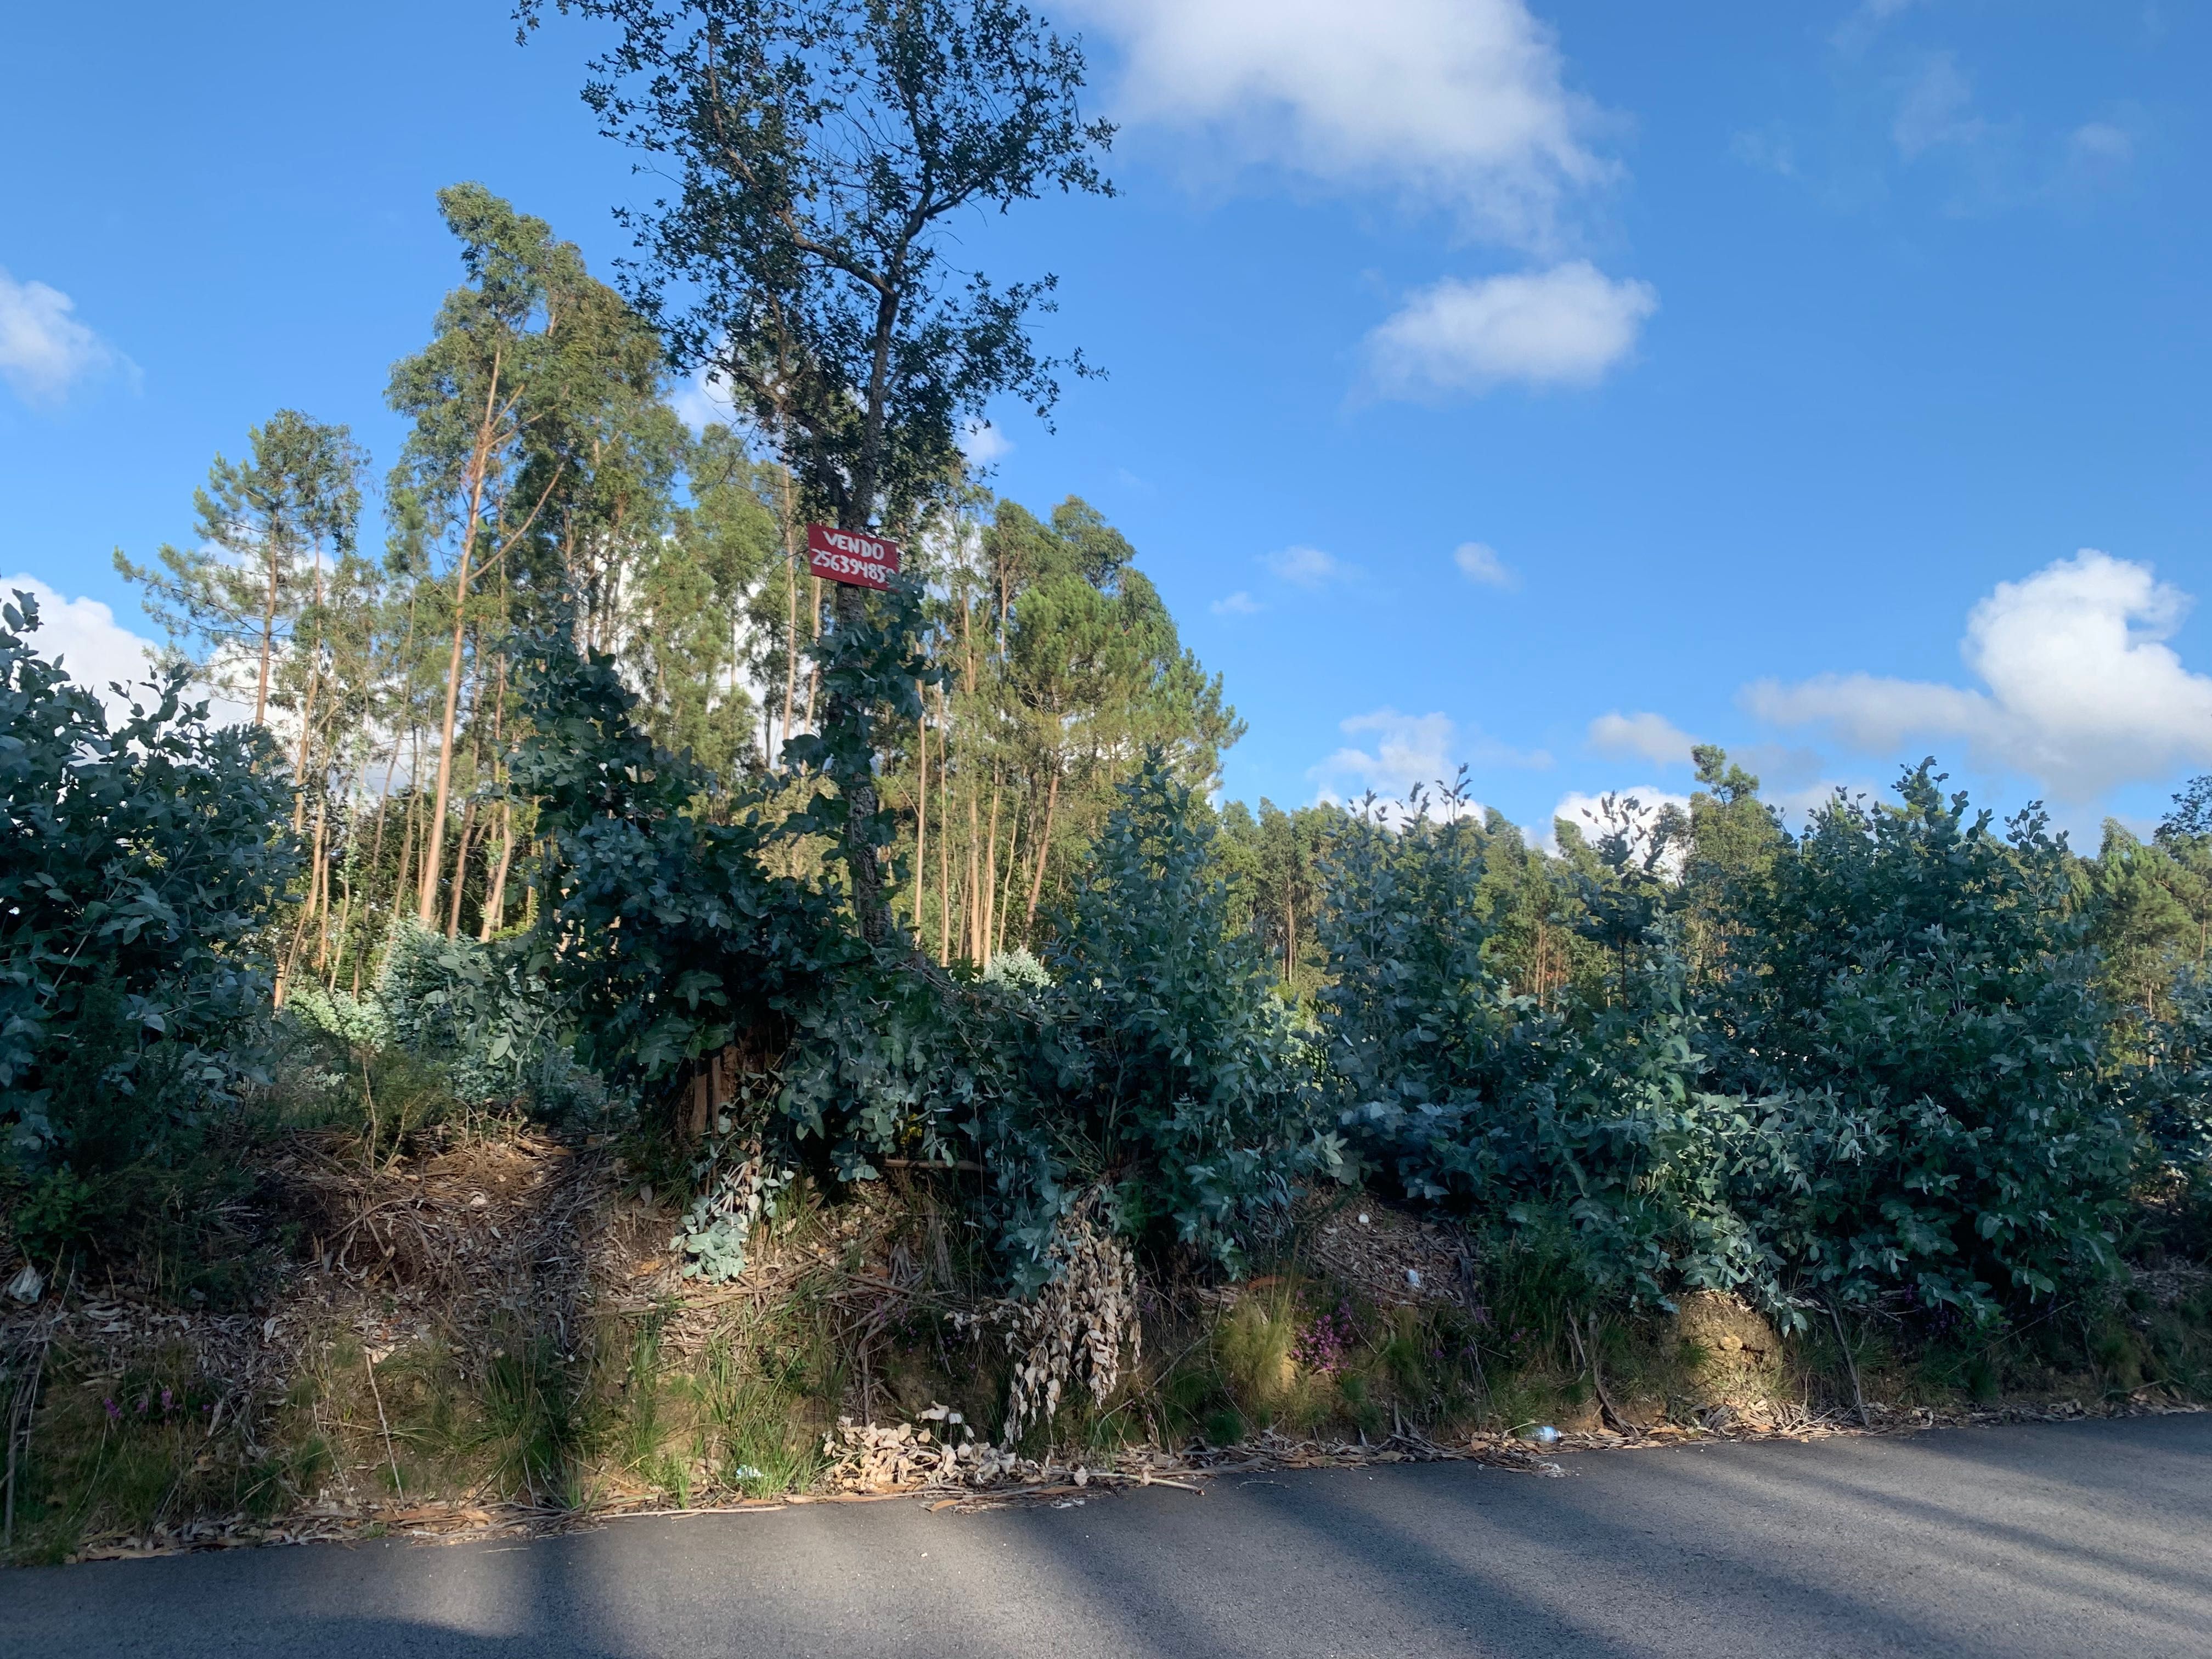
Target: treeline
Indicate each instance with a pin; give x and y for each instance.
(547, 483)
(580, 796)
(1904, 1057)
(568, 765)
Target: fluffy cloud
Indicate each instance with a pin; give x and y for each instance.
(1308, 566)
(44, 349)
(1460, 103)
(2097, 155)
(1401, 751)
(1479, 563)
(1653, 736)
(1640, 806)
(2079, 690)
(704, 400)
(984, 444)
(1936, 108)
(1564, 327)
(1239, 604)
(92, 646)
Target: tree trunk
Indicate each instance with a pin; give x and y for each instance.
(496, 902)
(1044, 848)
(974, 881)
(307, 912)
(268, 633)
(862, 799)
(329, 969)
(322, 884)
(944, 840)
(306, 708)
(920, 821)
(399, 879)
(426, 908)
(1002, 894)
(461, 868)
(791, 611)
(990, 890)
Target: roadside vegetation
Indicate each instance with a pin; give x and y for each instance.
(621, 1026)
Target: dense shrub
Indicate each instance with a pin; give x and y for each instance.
(1894, 1085)
(2170, 1085)
(1186, 1086)
(483, 1012)
(477, 1013)
(1586, 1119)
(138, 867)
(1910, 998)
(1148, 1054)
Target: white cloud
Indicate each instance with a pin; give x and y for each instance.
(43, 349)
(2097, 154)
(1935, 109)
(1405, 749)
(1239, 604)
(2083, 694)
(1460, 103)
(1858, 30)
(2101, 142)
(1564, 327)
(1479, 563)
(1408, 749)
(1640, 806)
(984, 444)
(704, 400)
(1308, 566)
(1654, 737)
(90, 645)
(1769, 152)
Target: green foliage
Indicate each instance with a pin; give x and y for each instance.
(1587, 1122)
(2170, 1086)
(483, 1014)
(137, 872)
(1153, 1055)
(1892, 1080)
(666, 926)
(817, 154)
(254, 577)
(1273, 863)
(1182, 1079)
(1912, 1003)
(2145, 907)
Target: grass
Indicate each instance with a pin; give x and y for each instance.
(656, 1406)
(126, 1452)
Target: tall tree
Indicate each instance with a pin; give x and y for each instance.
(534, 428)
(822, 151)
(266, 528)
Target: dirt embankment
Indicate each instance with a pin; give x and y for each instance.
(495, 1333)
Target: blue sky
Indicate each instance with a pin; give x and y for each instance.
(1537, 386)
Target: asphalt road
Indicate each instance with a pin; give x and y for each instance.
(2089, 1539)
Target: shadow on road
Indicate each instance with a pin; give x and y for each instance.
(2002, 1543)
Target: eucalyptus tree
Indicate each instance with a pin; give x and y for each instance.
(266, 529)
(696, 615)
(1095, 671)
(541, 458)
(822, 153)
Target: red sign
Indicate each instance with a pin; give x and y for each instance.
(851, 556)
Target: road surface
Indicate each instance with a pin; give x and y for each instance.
(2013, 1543)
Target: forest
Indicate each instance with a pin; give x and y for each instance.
(541, 999)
